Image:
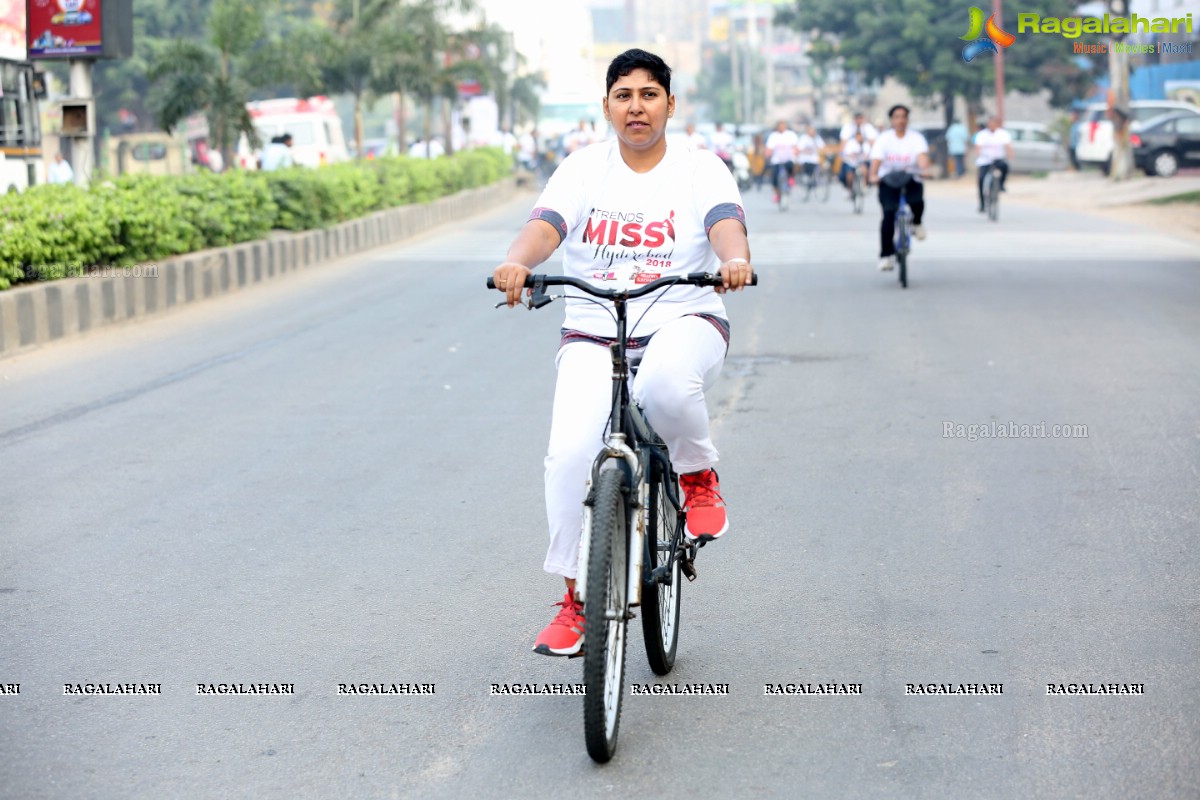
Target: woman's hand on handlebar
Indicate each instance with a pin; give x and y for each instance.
(509, 278)
(736, 274)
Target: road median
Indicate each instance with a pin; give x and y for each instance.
(43, 312)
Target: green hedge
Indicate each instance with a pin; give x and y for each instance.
(51, 232)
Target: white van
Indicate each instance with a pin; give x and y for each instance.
(313, 122)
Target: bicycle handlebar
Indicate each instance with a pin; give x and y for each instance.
(693, 279)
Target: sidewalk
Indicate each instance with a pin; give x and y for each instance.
(1092, 193)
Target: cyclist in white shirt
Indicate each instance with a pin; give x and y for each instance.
(859, 125)
(903, 155)
(993, 145)
(635, 206)
(722, 144)
(782, 149)
(856, 152)
(809, 148)
(695, 140)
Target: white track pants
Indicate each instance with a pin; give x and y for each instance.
(682, 359)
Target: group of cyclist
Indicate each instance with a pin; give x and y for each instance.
(896, 159)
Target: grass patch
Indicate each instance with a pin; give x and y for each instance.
(1186, 197)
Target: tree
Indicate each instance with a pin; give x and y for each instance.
(714, 85)
(526, 97)
(917, 43)
(189, 76)
(432, 60)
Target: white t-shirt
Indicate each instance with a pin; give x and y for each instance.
(722, 142)
(809, 148)
(528, 148)
(898, 154)
(868, 131)
(782, 146)
(611, 217)
(854, 153)
(696, 140)
(991, 146)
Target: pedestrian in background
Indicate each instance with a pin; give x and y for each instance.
(956, 146)
(60, 170)
(278, 154)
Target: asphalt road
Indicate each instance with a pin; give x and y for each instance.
(338, 480)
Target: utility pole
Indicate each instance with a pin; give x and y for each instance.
(1121, 161)
(998, 11)
(83, 135)
(769, 51)
(752, 39)
(733, 62)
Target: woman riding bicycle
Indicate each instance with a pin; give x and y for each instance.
(904, 155)
(856, 152)
(633, 205)
(993, 148)
(783, 146)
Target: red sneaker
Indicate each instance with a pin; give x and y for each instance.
(705, 509)
(563, 636)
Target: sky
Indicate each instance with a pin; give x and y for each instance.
(554, 37)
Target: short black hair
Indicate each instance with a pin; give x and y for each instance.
(897, 107)
(633, 59)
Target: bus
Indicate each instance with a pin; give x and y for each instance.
(21, 164)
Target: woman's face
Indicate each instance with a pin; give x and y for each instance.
(638, 107)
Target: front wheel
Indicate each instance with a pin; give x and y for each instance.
(993, 199)
(661, 600)
(604, 610)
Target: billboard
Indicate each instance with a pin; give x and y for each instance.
(64, 28)
(12, 30)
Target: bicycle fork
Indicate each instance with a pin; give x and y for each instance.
(618, 455)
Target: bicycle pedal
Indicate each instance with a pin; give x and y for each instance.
(688, 569)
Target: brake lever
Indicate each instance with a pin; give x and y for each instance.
(537, 300)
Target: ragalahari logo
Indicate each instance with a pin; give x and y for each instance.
(979, 43)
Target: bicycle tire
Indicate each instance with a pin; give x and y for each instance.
(823, 186)
(660, 602)
(902, 268)
(902, 243)
(604, 638)
(993, 210)
(859, 196)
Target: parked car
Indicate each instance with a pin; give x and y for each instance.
(1035, 148)
(1096, 132)
(1164, 144)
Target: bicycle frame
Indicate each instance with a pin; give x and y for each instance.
(903, 218)
(629, 444)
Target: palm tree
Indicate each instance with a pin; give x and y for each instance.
(424, 64)
(189, 76)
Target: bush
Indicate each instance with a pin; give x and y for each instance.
(54, 232)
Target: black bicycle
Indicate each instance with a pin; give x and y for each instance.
(633, 549)
(991, 190)
(858, 188)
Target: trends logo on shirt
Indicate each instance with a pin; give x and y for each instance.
(627, 230)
